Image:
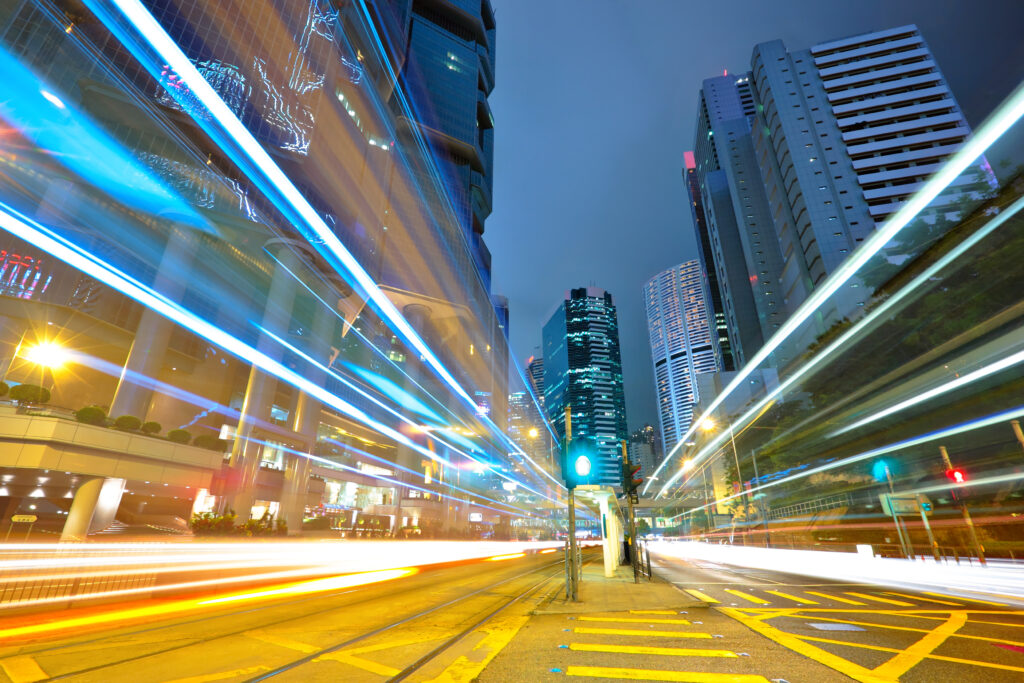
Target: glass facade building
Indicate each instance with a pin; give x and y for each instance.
(583, 371)
(679, 327)
(218, 222)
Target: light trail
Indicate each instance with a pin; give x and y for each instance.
(246, 152)
(855, 568)
(886, 308)
(286, 560)
(961, 428)
(1005, 116)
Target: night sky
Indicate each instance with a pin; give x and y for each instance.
(596, 102)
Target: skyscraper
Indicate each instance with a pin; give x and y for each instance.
(450, 73)
(535, 376)
(682, 345)
(583, 369)
(798, 160)
(643, 450)
(707, 261)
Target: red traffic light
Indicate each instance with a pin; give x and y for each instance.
(956, 476)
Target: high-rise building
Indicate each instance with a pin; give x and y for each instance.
(797, 160)
(850, 129)
(535, 376)
(707, 261)
(449, 71)
(682, 344)
(583, 370)
(643, 449)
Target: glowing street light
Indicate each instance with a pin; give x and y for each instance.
(47, 354)
(533, 433)
(687, 464)
(707, 424)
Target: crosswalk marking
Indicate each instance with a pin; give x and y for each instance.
(657, 675)
(960, 597)
(634, 620)
(651, 650)
(865, 596)
(651, 611)
(794, 598)
(747, 596)
(836, 598)
(701, 596)
(918, 597)
(637, 632)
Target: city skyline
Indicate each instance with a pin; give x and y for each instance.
(653, 116)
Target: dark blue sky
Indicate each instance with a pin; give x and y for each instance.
(595, 104)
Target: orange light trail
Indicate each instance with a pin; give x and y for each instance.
(499, 558)
(178, 606)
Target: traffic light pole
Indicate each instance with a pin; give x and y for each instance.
(574, 573)
(634, 547)
(963, 509)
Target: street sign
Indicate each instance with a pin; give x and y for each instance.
(904, 505)
(27, 519)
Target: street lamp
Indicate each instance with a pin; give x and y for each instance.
(49, 354)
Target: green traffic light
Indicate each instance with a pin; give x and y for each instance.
(582, 466)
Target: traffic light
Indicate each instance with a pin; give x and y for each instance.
(956, 475)
(631, 481)
(578, 465)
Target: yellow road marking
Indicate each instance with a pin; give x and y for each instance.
(638, 632)
(205, 678)
(656, 675)
(793, 597)
(649, 650)
(360, 663)
(918, 597)
(836, 598)
(631, 620)
(912, 656)
(651, 611)
(747, 596)
(701, 596)
(887, 601)
(939, 658)
(22, 669)
(282, 642)
(468, 668)
(788, 640)
(960, 597)
(922, 630)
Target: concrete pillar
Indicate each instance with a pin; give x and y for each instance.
(76, 527)
(259, 393)
(149, 348)
(611, 531)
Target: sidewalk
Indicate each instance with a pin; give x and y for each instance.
(647, 631)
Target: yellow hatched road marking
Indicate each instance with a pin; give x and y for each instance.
(22, 669)
(912, 656)
(836, 598)
(282, 642)
(638, 632)
(747, 596)
(918, 597)
(656, 675)
(794, 598)
(701, 596)
(788, 640)
(631, 620)
(360, 663)
(887, 601)
(651, 611)
(940, 658)
(499, 634)
(960, 597)
(650, 650)
(922, 630)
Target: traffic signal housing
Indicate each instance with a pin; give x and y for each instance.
(579, 466)
(631, 479)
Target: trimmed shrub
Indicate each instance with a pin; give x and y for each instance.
(179, 436)
(210, 442)
(4, 388)
(151, 427)
(91, 415)
(127, 423)
(30, 393)
(211, 524)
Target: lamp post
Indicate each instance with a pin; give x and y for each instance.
(707, 424)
